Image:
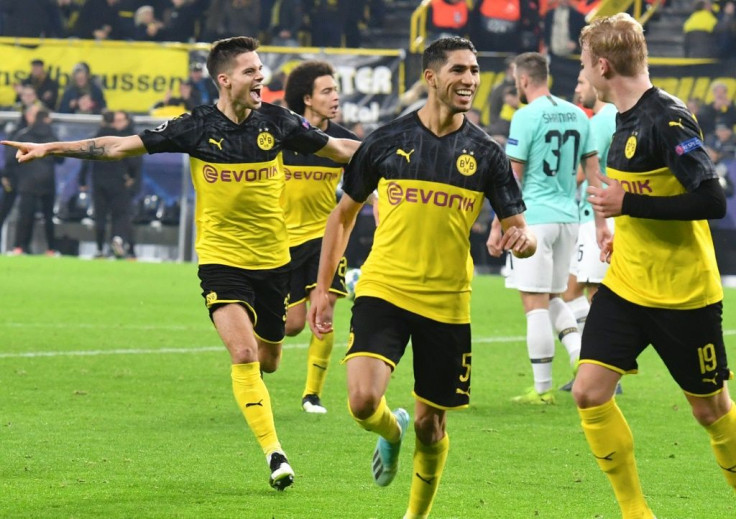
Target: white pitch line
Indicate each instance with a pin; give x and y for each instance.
(208, 349)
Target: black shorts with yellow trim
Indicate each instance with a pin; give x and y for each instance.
(689, 342)
(442, 354)
(304, 268)
(263, 293)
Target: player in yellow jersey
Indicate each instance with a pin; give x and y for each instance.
(311, 184)
(432, 168)
(235, 157)
(663, 286)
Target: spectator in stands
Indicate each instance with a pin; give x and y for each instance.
(496, 99)
(273, 92)
(8, 182)
(287, 18)
(145, 25)
(720, 110)
(181, 19)
(202, 84)
(30, 18)
(721, 146)
(499, 129)
(495, 25)
(172, 105)
(700, 39)
(725, 31)
(447, 18)
(27, 97)
(562, 26)
(99, 20)
(83, 95)
(46, 88)
(36, 184)
(110, 182)
(327, 20)
(226, 18)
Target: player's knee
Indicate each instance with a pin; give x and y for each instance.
(707, 415)
(294, 329)
(363, 404)
(270, 362)
(429, 429)
(584, 396)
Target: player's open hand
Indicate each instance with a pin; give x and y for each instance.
(26, 151)
(320, 314)
(608, 200)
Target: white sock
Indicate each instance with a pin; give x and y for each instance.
(540, 343)
(563, 321)
(580, 308)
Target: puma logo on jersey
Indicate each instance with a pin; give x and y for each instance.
(677, 123)
(253, 404)
(404, 154)
(216, 143)
(711, 380)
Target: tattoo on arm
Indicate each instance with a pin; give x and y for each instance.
(87, 150)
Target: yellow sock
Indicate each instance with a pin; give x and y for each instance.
(382, 422)
(318, 359)
(252, 397)
(429, 462)
(612, 444)
(723, 441)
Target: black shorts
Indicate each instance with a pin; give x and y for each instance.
(441, 351)
(304, 267)
(690, 342)
(263, 293)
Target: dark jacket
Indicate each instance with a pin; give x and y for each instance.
(37, 177)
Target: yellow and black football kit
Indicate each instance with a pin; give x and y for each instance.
(309, 197)
(663, 287)
(239, 180)
(430, 191)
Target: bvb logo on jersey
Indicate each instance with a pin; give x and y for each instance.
(211, 298)
(466, 164)
(265, 141)
(630, 148)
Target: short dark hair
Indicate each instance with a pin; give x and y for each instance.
(436, 54)
(223, 51)
(534, 65)
(300, 83)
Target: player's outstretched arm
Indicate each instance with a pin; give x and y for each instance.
(99, 148)
(337, 233)
(339, 150)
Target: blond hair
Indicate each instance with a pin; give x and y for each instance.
(620, 40)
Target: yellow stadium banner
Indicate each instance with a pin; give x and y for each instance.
(133, 75)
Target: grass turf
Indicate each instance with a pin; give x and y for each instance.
(116, 403)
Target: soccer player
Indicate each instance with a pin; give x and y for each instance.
(234, 148)
(548, 139)
(311, 183)
(586, 268)
(432, 168)
(663, 287)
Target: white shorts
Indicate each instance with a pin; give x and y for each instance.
(545, 272)
(585, 263)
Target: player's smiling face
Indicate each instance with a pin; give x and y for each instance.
(246, 80)
(458, 80)
(324, 101)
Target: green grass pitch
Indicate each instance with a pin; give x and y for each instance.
(115, 402)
